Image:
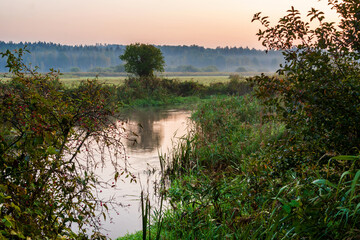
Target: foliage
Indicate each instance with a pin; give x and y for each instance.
(223, 185)
(153, 91)
(316, 208)
(143, 59)
(47, 141)
(214, 185)
(190, 68)
(319, 96)
(184, 68)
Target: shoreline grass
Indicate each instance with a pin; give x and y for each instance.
(224, 184)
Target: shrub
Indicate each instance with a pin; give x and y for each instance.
(45, 185)
(319, 96)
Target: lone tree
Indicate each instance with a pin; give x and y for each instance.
(143, 59)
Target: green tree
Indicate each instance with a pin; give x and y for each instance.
(319, 96)
(143, 59)
(47, 134)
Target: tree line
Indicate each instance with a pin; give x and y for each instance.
(99, 57)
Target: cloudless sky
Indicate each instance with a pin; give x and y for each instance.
(208, 23)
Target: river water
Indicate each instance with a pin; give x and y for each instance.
(155, 131)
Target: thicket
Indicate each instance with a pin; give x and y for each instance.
(51, 140)
(319, 96)
(150, 91)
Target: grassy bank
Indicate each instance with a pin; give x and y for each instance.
(143, 92)
(224, 183)
(70, 80)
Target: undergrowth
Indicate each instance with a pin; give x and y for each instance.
(223, 185)
(152, 91)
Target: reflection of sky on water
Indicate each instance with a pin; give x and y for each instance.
(155, 132)
(150, 129)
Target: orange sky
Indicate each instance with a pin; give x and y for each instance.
(208, 23)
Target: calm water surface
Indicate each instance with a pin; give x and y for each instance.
(156, 131)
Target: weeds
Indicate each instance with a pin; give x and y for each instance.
(224, 181)
(151, 91)
(224, 186)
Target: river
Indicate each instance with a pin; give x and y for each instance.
(155, 131)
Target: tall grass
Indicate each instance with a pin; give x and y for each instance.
(224, 186)
(209, 193)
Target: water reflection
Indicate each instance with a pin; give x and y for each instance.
(148, 127)
(154, 132)
(145, 135)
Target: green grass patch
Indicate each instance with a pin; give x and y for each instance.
(224, 184)
(74, 81)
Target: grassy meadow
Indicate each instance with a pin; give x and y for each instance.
(73, 79)
(119, 78)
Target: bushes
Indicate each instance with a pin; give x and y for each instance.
(224, 183)
(216, 185)
(45, 185)
(163, 91)
(318, 98)
(316, 208)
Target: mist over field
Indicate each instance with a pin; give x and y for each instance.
(105, 58)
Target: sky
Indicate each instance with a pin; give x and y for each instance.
(208, 23)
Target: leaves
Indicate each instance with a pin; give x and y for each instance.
(44, 127)
(317, 95)
(143, 59)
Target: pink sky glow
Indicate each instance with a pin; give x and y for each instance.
(208, 23)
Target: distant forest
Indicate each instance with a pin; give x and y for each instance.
(105, 58)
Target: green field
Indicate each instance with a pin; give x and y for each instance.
(202, 78)
(70, 79)
(108, 80)
(206, 80)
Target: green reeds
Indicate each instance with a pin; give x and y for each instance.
(145, 215)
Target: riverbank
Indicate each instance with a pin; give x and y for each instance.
(227, 180)
(146, 92)
(208, 168)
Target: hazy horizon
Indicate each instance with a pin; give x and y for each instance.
(209, 23)
(109, 44)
